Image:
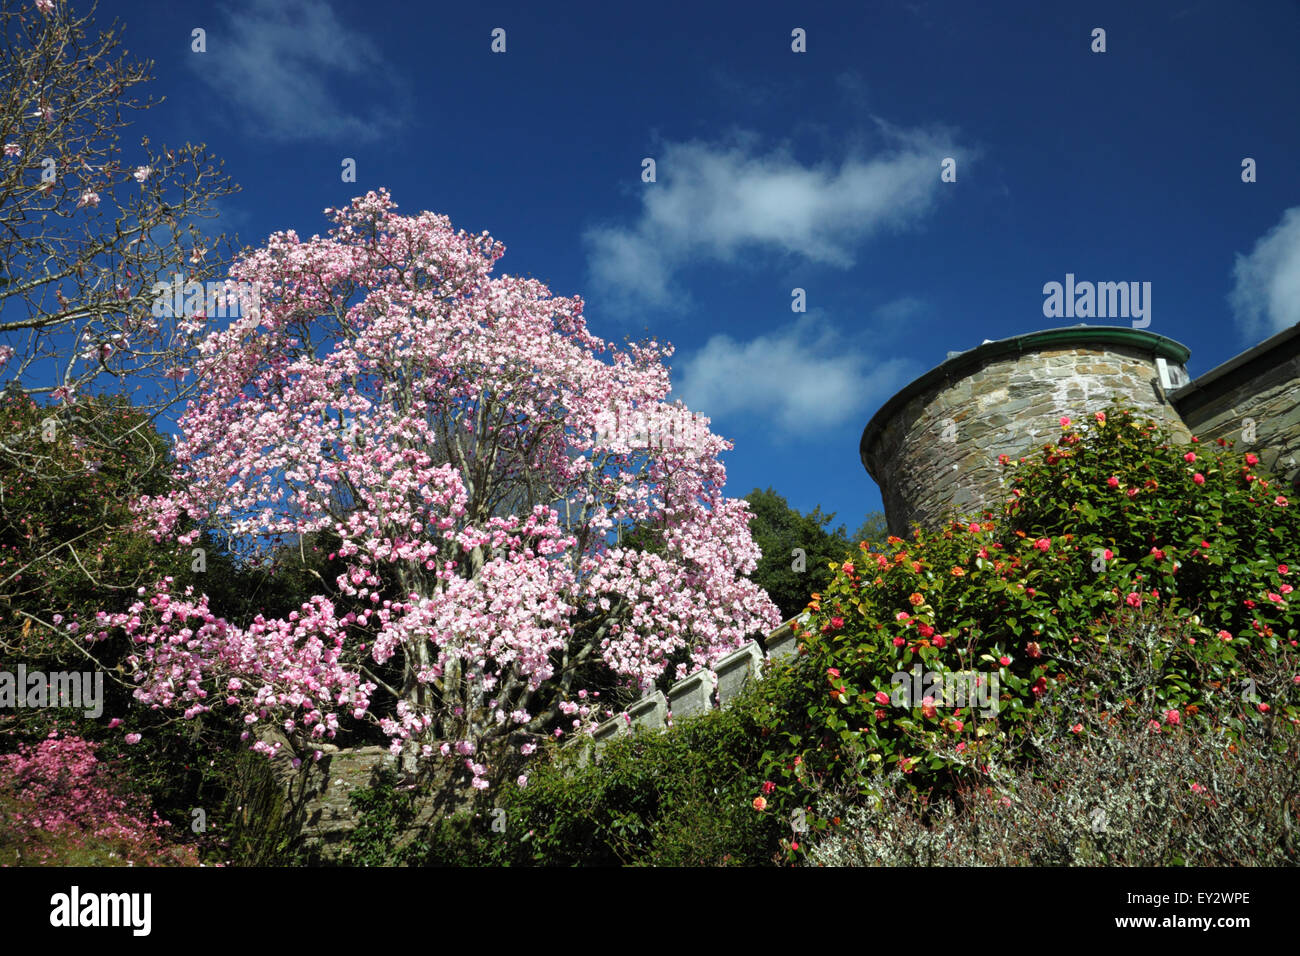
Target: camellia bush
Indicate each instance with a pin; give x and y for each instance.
(476, 453)
(925, 658)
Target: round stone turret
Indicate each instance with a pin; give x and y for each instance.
(933, 448)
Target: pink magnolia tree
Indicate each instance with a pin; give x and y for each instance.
(479, 455)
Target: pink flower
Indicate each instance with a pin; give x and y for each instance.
(760, 804)
(13, 149)
(1113, 481)
(1132, 492)
(940, 641)
(768, 787)
(957, 726)
(1275, 598)
(527, 749)
(1108, 554)
(1171, 717)
(882, 697)
(1004, 661)
(1197, 788)
(1101, 417)
(142, 173)
(522, 781)
(1065, 422)
(1252, 459)
(115, 723)
(1190, 457)
(1134, 599)
(1198, 478)
(974, 528)
(1157, 554)
(1224, 635)
(88, 198)
(837, 622)
(899, 641)
(132, 738)
(1043, 544)
(1264, 708)
(833, 671)
(1280, 501)
(1077, 728)
(1283, 569)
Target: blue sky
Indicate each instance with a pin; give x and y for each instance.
(775, 170)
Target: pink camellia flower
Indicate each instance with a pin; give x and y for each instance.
(1113, 481)
(899, 641)
(940, 641)
(132, 738)
(1157, 554)
(1285, 588)
(1251, 459)
(1134, 599)
(1280, 501)
(1224, 635)
(1077, 728)
(1004, 661)
(833, 671)
(1283, 569)
(957, 726)
(1171, 717)
(837, 622)
(974, 528)
(1065, 422)
(1132, 492)
(1108, 554)
(760, 804)
(527, 749)
(1275, 598)
(882, 697)
(117, 721)
(1153, 726)
(1264, 708)
(768, 787)
(1190, 457)
(1197, 788)
(902, 616)
(1101, 417)
(1198, 478)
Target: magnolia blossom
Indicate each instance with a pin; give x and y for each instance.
(88, 199)
(461, 417)
(142, 173)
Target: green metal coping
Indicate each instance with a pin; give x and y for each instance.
(959, 366)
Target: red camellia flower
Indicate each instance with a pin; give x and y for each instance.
(1190, 456)
(1134, 599)
(1113, 481)
(1198, 478)
(1077, 728)
(1171, 717)
(1251, 459)
(880, 714)
(1100, 416)
(940, 641)
(956, 726)
(882, 697)
(927, 707)
(925, 630)
(1283, 569)
(1004, 661)
(1043, 544)
(1065, 422)
(768, 787)
(833, 671)
(1040, 687)
(847, 567)
(1157, 554)
(899, 641)
(1224, 635)
(837, 622)
(1132, 492)
(1263, 708)
(915, 599)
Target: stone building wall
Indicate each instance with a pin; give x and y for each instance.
(1254, 401)
(934, 448)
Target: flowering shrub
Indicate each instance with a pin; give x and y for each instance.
(59, 805)
(1110, 789)
(1103, 526)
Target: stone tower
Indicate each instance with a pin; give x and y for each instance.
(933, 448)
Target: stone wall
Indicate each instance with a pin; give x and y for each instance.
(937, 451)
(319, 794)
(1253, 400)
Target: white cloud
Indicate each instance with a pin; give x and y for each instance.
(287, 66)
(1266, 297)
(721, 201)
(801, 378)
(899, 310)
